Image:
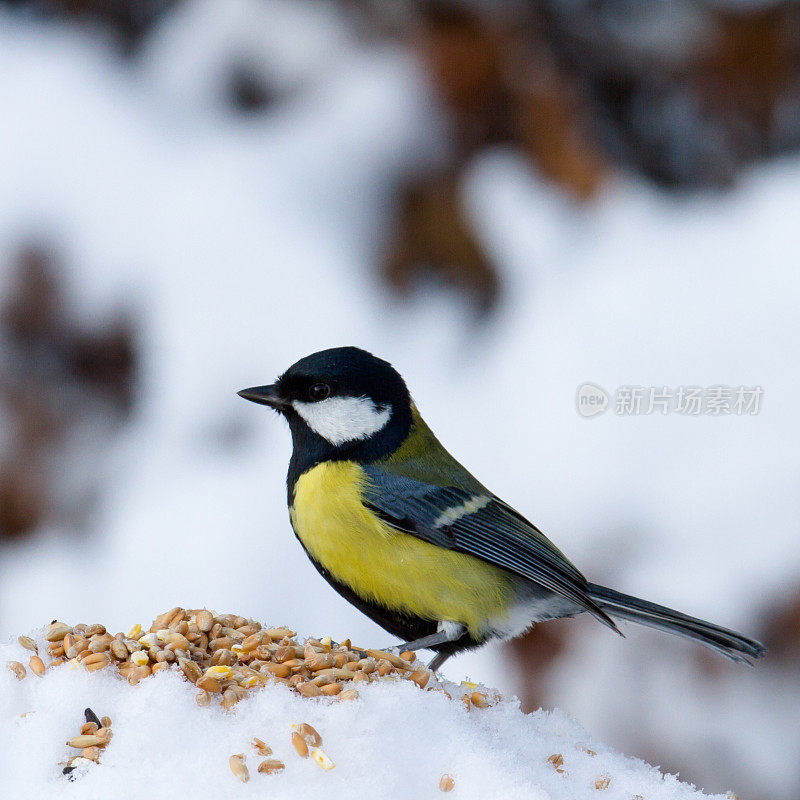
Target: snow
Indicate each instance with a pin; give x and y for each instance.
(394, 740)
(247, 243)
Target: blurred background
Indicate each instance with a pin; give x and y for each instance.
(506, 200)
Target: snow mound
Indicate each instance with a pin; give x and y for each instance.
(394, 740)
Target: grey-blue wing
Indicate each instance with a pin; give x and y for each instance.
(480, 524)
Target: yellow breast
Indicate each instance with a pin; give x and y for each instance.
(383, 565)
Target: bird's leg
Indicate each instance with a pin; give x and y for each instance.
(423, 643)
(438, 660)
(446, 632)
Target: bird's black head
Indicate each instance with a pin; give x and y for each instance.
(342, 403)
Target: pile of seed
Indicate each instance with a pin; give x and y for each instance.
(95, 734)
(226, 655)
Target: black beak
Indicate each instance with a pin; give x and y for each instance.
(265, 395)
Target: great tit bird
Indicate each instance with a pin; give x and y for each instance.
(405, 533)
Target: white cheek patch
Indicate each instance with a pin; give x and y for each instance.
(344, 419)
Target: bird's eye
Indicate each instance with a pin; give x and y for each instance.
(319, 391)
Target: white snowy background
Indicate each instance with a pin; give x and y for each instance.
(245, 243)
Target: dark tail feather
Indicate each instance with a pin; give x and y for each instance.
(729, 643)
